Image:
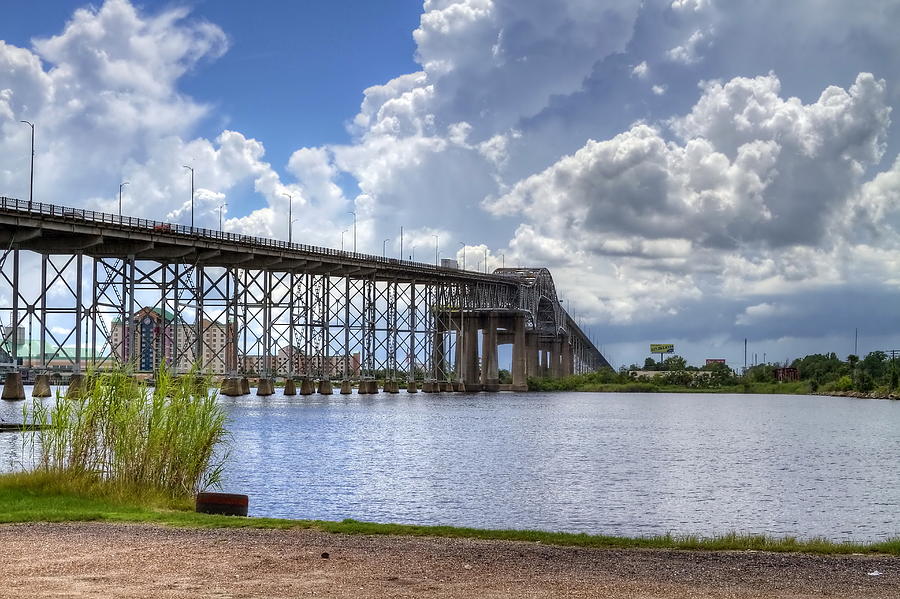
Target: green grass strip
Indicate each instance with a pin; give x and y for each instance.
(45, 497)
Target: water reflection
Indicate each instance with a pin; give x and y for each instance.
(601, 463)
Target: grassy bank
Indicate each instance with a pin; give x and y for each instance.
(584, 383)
(49, 497)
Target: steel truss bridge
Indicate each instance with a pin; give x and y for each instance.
(93, 290)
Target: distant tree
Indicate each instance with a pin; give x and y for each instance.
(674, 363)
(651, 364)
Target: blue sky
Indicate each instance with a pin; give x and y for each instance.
(692, 171)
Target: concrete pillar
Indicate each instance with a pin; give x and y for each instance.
(427, 387)
(471, 378)
(568, 364)
(443, 386)
(545, 361)
(306, 387)
(77, 384)
(391, 387)
(555, 361)
(265, 387)
(532, 359)
(290, 387)
(41, 386)
(411, 387)
(245, 386)
(490, 376)
(437, 351)
(519, 353)
(231, 387)
(13, 389)
(372, 386)
(325, 387)
(346, 387)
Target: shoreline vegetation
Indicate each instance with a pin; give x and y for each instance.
(56, 497)
(877, 376)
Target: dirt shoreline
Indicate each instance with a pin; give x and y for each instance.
(136, 560)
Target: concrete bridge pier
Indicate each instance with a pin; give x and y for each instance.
(265, 387)
(325, 387)
(77, 383)
(245, 386)
(290, 387)
(41, 386)
(555, 353)
(411, 387)
(532, 355)
(567, 365)
(490, 377)
(306, 386)
(519, 354)
(13, 389)
(346, 387)
(471, 378)
(231, 386)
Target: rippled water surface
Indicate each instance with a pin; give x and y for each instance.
(629, 464)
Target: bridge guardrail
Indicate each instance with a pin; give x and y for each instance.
(143, 224)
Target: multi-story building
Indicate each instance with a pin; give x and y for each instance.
(313, 365)
(157, 335)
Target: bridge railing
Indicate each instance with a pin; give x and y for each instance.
(154, 226)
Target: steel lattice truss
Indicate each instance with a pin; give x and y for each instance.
(86, 289)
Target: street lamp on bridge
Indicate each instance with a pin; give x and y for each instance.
(190, 168)
(31, 184)
(121, 185)
(290, 221)
(342, 239)
(354, 230)
(384, 247)
(464, 254)
(220, 214)
(436, 239)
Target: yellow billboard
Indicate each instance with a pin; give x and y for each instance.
(662, 348)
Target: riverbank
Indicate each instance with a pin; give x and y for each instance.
(128, 560)
(576, 383)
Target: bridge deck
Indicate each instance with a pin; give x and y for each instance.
(48, 228)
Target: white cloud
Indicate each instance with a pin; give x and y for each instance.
(641, 70)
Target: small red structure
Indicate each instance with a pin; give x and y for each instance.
(787, 374)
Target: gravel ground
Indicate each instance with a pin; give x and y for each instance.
(123, 560)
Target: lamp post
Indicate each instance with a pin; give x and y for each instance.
(220, 214)
(354, 230)
(290, 222)
(412, 256)
(342, 239)
(401, 242)
(384, 247)
(464, 254)
(31, 184)
(485, 259)
(121, 185)
(435, 249)
(190, 168)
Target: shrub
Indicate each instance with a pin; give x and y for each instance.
(119, 430)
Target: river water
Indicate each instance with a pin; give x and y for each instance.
(619, 464)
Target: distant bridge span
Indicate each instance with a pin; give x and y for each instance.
(80, 288)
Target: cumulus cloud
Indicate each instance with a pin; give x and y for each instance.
(570, 134)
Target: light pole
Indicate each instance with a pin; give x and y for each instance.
(354, 230)
(464, 254)
(220, 214)
(190, 168)
(502, 260)
(435, 249)
(401, 242)
(290, 222)
(342, 239)
(121, 185)
(384, 247)
(412, 256)
(485, 259)
(31, 184)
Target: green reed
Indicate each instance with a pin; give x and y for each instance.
(169, 437)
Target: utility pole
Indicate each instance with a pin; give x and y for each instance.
(31, 184)
(745, 355)
(436, 240)
(856, 342)
(401, 242)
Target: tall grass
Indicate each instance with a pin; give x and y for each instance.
(168, 438)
